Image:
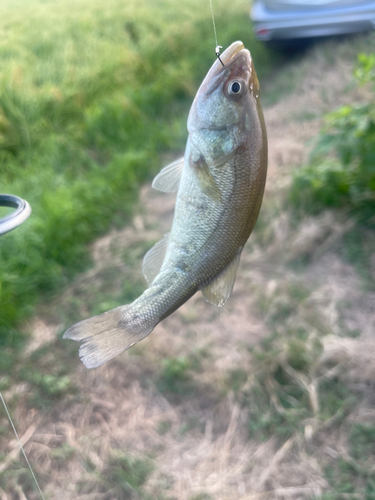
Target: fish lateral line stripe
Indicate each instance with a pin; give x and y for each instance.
(20, 444)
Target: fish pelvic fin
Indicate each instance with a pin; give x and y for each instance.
(105, 336)
(219, 290)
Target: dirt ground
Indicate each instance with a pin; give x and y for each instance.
(197, 439)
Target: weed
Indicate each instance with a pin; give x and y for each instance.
(174, 377)
(19, 474)
(349, 479)
(359, 244)
(283, 302)
(264, 421)
(164, 426)
(236, 379)
(52, 385)
(63, 453)
(123, 477)
(287, 388)
(335, 398)
(362, 439)
(4, 383)
(123, 470)
(46, 375)
(352, 474)
(341, 169)
(192, 422)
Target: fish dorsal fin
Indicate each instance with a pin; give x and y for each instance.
(153, 259)
(218, 292)
(168, 179)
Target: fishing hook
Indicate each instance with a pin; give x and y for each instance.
(217, 52)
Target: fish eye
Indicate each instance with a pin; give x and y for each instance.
(235, 87)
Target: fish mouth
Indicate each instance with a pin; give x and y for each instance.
(231, 51)
(225, 57)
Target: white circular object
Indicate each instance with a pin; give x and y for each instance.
(21, 213)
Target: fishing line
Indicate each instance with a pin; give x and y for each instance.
(19, 442)
(8, 223)
(217, 47)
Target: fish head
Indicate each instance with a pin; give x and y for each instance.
(228, 93)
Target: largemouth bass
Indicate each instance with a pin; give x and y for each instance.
(220, 182)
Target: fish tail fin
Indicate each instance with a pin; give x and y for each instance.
(105, 336)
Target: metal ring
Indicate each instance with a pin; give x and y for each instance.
(13, 220)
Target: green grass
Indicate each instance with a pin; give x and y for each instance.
(340, 172)
(352, 476)
(358, 248)
(362, 438)
(91, 95)
(279, 404)
(287, 364)
(175, 377)
(201, 496)
(19, 474)
(63, 453)
(122, 478)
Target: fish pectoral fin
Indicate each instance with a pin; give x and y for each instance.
(168, 179)
(207, 183)
(204, 177)
(218, 292)
(154, 258)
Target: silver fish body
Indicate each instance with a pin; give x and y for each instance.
(220, 183)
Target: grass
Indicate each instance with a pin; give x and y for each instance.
(19, 474)
(122, 478)
(176, 375)
(86, 109)
(289, 385)
(166, 419)
(280, 405)
(46, 372)
(352, 476)
(340, 172)
(357, 249)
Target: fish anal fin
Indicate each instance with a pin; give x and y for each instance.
(219, 290)
(168, 179)
(154, 258)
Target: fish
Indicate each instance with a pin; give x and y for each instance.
(220, 182)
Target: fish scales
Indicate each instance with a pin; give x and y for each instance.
(219, 196)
